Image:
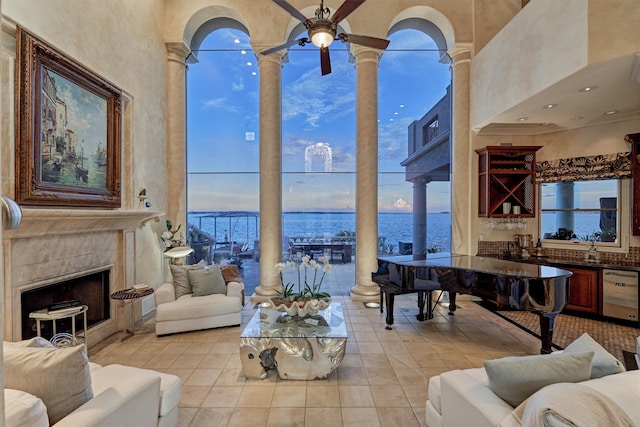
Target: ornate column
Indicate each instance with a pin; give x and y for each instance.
(367, 61)
(462, 183)
(270, 172)
(177, 132)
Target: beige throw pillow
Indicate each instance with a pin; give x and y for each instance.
(60, 377)
(207, 281)
(181, 280)
(603, 363)
(514, 379)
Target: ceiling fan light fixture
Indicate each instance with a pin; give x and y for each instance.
(321, 35)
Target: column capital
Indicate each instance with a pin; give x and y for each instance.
(273, 58)
(178, 52)
(366, 53)
(460, 52)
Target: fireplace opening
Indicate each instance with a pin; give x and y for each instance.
(91, 290)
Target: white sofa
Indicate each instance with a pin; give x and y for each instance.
(577, 386)
(199, 297)
(463, 398)
(120, 396)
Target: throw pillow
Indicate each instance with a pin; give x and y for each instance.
(603, 363)
(514, 379)
(207, 281)
(181, 280)
(60, 377)
(31, 342)
(230, 273)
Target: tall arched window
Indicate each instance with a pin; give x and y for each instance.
(223, 148)
(414, 117)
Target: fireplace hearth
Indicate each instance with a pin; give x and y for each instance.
(91, 290)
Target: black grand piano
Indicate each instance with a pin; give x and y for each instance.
(522, 286)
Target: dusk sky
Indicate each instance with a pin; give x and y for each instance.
(223, 124)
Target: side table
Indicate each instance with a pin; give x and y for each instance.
(130, 295)
(72, 312)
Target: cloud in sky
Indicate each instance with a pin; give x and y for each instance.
(312, 98)
(220, 104)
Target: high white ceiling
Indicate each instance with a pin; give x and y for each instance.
(616, 86)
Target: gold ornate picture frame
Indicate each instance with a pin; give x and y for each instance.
(68, 130)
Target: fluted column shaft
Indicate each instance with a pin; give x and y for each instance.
(177, 132)
(270, 174)
(462, 155)
(366, 173)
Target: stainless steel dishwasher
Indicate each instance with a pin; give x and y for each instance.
(620, 294)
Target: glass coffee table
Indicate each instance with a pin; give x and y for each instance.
(299, 348)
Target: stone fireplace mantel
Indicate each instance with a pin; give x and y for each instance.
(55, 245)
(40, 222)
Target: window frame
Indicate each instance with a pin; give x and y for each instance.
(624, 224)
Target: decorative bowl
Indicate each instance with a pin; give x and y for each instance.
(301, 307)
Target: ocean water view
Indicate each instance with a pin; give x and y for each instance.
(244, 227)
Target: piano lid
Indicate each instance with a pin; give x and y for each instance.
(480, 264)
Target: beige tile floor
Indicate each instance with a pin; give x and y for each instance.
(382, 380)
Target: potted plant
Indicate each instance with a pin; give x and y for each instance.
(305, 296)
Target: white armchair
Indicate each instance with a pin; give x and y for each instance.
(189, 312)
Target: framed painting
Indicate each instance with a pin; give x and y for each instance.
(68, 133)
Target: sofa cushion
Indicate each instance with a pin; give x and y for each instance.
(435, 393)
(58, 376)
(603, 363)
(24, 409)
(514, 379)
(181, 280)
(207, 281)
(189, 307)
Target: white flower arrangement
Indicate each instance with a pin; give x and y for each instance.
(305, 268)
(173, 237)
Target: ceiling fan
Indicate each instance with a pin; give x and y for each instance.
(322, 31)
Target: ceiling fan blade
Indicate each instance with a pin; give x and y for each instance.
(373, 42)
(345, 9)
(325, 61)
(282, 46)
(292, 10)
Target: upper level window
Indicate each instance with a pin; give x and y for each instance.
(581, 211)
(430, 131)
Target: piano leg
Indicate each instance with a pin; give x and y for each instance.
(390, 301)
(452, 303)
(546, 331)
(420, 316)
(430, 305)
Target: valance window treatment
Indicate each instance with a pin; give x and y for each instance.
(604, 166)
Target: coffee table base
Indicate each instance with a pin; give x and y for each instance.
(293, 358)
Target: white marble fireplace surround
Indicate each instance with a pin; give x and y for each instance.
(53, 245)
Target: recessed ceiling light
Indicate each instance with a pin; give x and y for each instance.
(610, 112)
(396, 113)
(249, 63)
(576, 118)
(236, 41)
(522, 119)
(401, 105)
(588, 89)
(243, 52)
(550, 106)
(253, 73)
